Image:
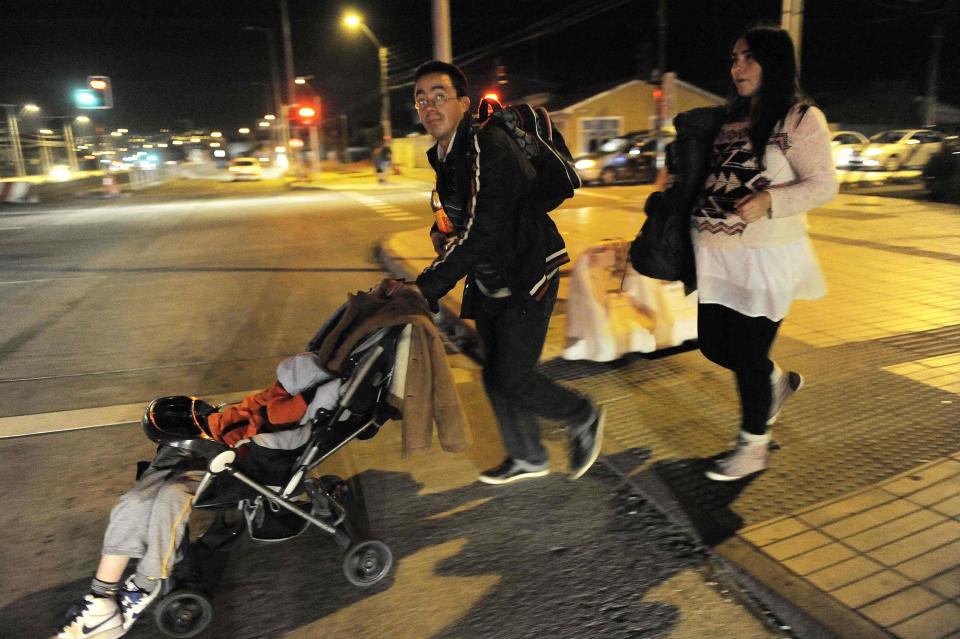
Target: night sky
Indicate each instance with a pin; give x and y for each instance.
(189, 64)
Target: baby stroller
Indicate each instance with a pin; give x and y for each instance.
(278, 499)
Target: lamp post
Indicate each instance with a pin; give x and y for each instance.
(355, 21)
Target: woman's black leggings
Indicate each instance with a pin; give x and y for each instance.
(741, 344)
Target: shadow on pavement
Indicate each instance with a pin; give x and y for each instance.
(705, 503)
(546, 557)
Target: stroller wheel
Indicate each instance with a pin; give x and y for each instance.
(184, 613)
(367, 562)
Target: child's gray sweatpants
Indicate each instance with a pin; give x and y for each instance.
(149, 521)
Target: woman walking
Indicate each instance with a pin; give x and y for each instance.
(770, 164)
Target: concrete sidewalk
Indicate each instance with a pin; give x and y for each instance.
(853, 531)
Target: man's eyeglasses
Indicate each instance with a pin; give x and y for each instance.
(437, 101)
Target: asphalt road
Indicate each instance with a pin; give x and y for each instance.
(193, 288)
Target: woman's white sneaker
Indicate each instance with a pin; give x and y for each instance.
(780, 391)
(747, 458)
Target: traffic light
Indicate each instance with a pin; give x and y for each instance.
(97, 94)
(501, 74)
(306, 114)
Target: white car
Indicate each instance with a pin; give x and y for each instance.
(245, 169)
(843, 144)
(898, 149)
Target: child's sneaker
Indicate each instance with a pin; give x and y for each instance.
(134, 601)
(93, 618)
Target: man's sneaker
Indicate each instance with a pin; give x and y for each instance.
(746, 459)
(93, 618)
(512, 470)
(781, 391)
(133, 601)
(585, 445)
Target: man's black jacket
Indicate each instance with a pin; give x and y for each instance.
(484, 184)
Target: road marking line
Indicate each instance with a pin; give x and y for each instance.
(67, 420)
(609, 197)
(50, 279)
(12, 228)
(387, 210)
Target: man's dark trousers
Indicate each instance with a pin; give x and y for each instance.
(512, 338)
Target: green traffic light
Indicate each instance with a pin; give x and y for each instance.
(85, 98)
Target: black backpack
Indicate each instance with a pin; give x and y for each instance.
(542, 144)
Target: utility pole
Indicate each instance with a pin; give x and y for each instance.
(930, 115)
(13, 132)
(384, 95)
(791, 21)
(291, 90)
(662, 37)
(283, 131)
(442, 44)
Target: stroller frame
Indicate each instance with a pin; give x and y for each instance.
(368, 371)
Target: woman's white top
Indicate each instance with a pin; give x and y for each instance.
(758, 269)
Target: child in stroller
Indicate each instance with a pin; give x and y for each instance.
(255, 458)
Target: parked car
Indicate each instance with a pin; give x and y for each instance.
(942, 172)
(627, 158)
(843, 144)
(898, 149)
(245, 169)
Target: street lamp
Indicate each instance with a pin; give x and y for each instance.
(355, 21)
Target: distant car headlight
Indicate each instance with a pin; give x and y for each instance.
(59, 173)
(584, 164)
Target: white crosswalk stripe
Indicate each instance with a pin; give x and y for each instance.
(387, 210)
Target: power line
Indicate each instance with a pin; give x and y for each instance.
(566, 17)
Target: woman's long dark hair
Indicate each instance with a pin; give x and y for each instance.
(779, 86)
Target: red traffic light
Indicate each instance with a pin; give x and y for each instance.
(306, 114)
(658, 94)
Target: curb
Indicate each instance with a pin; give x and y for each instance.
(762, 585)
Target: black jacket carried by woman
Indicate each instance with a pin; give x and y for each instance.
(484, 185)
(663, 249)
